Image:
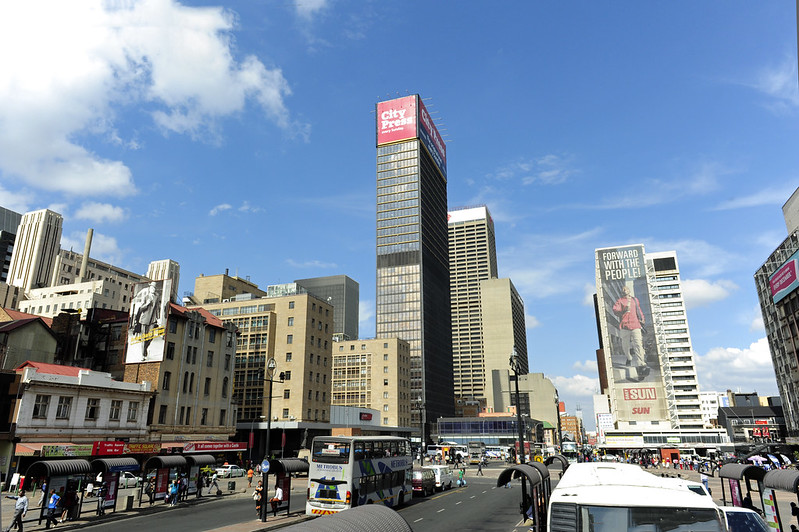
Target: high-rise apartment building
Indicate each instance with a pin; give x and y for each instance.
(413, 293)
(776, 283)
(343, 293)
(158, 270)
(487, 312)
(9, 222)
(36, 247)
(374, 373)
(646, 361)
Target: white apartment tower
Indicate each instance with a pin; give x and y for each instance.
(36, 247)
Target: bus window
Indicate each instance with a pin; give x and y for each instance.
(359, 451)
(394, 449)
(377, 449)
(331, 452)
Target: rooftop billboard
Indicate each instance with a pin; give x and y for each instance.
(786, 279)
(147, 323)
(629, 335)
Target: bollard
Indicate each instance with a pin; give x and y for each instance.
(231, 485)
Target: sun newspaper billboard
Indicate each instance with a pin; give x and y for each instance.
(401, 118)
(629, 334)
(147, 322)
(786, 279)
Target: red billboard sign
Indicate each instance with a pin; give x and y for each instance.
(112, 448)
(214, 446)
(396, 120)
(640, 394)
(365, 416)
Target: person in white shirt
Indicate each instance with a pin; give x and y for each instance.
(20, 510)
(277, 499)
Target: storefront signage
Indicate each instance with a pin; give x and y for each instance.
(67, 450)
(214, 446)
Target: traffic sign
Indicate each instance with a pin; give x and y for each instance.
(265, 466)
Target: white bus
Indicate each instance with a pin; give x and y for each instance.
(604, 497)
(350, 471)
(447, 450)
(477, 451)
(497, 452)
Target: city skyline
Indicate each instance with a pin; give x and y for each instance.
(580, 127)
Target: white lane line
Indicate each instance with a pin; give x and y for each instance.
(420, 519)
(473, 496)
(484, 491)
(441, 510)
(457, 503)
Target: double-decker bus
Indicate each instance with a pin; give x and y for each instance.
(350, 471)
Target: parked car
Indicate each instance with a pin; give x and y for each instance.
(128, 480)
(743, 520)
(444, 476)
(226, 471)
(424, 482)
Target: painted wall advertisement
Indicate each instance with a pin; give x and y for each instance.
(147, 322)
(629, 334)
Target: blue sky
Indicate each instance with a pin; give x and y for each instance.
(241, 136)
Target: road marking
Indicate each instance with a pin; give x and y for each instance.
(441, 510)
(420, 519)
(484, 491)
(457, 503)
(473, 496)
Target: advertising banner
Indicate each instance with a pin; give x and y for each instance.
(431, 139)
(770, 513)
(630, 344)
(214, 446)
(111, 484)
(161, 483)
(786, 279)
(67, 450)
(114, 448)
(396, 120)
(147, 323)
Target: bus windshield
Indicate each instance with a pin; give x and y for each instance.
(331, 452)
(656, 519)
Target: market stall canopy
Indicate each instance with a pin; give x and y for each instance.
(56, 468)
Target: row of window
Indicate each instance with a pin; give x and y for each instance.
(64, 408)
(187, 420)
(188, 383)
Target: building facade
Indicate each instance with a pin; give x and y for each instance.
(413, 293)
(374, 374)
(222, 288)
(158, 270)
(38, 241)
(538, 398)
(343, 293)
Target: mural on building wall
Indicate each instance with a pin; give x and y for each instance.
(147, 323)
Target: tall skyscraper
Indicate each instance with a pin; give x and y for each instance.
(413, 292)
(650, 372)
(9, 222)
(343, 293)
(35, 250)
(159, 270)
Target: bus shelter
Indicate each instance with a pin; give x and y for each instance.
(736, 477)
(283, 469)
(534, 497)
(67, 478)
(557, 458)
(195, 462)
(778, 479)
(108, 469)
(160, 470)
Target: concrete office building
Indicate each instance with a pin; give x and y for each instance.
(413, 297)
(67, 266)
(9, 223)
(159, 270)
(343, 293)
(646, 362)
(221, 288)
(538, 399)
(776, 285)
(374, 373)
(36, 247)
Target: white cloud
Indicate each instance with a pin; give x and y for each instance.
(548, 170)
(220, 208)
(585, 366)
(577, 386)
(765, 196)
(308, 8)
(246, 207)
(531, 322)
(705, 259)
(366, 318)
(699, 292)
(104, 248)
(311, 264)
(778, 82)
(732, 368)
(100, 212)
(19, 202)
(77, 63)
(588, 294)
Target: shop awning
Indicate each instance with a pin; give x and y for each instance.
(288, 465)
(562, 460)
(105, 465)
(782, 479)
(57, 468)
(200, 460)
(164, 462)
(741, 471)
(531, 473)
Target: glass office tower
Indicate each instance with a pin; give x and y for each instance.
(413, 292)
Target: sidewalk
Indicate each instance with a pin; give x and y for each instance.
(88, 516)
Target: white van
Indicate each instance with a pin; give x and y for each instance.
(445, 479)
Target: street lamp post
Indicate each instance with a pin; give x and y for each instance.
(251, 443)
(515, 365)
(421, 431)
(271, 365)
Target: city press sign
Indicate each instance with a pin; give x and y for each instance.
(396, 120)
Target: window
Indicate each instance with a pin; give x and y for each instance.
(385, 382)
(310, 394)
(191, 383)
(291, 304)
(227, 362)
(92, 408)
(291, 321)
(186, 382)
(222, 415)
(285, 412)
(133, 411)
(190, 329)
(204, 417)
(385, 408)
(287, 376)
(385, 369)
(289, 338)
(385, 395)
(116, 410)
(167, 378)
(288, 357)
(188, 354)
(317, 378)
(173, 325)
(40, 406)
(310, 359)
(324, 379)
(162, 414)
(212, 337)
(286, 393)
(310, 376)
(194, 355)
(224, 387)
(170, 350)
(317, 395)
(325, 362)
(64, 407)
(309, 414)
(385, 356)
(188, 415)
(207, 388)
(385, 345)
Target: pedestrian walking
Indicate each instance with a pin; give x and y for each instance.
(258, 496)
(480, 468)
(52, 506)
(462, 477)
(43, 496)
(174, 491)
(101, 491)
(199, 485)
(20, 510)
(213, 484)
(148, 490)
(250, 473)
